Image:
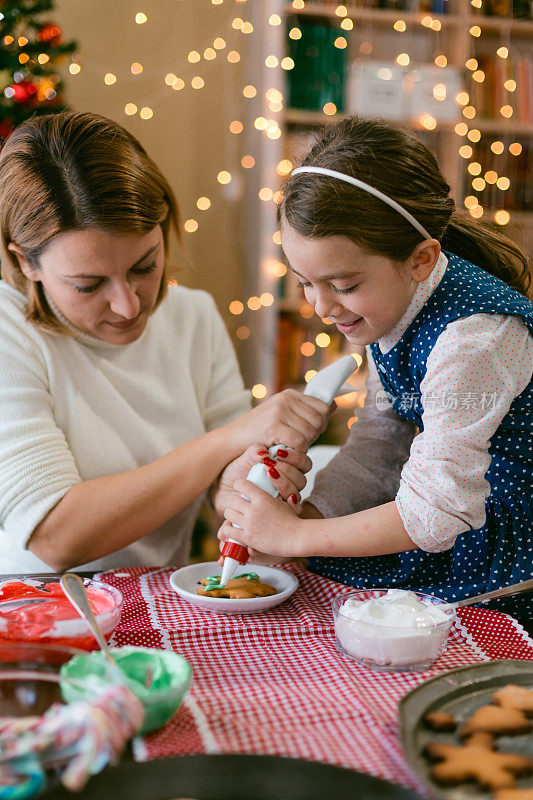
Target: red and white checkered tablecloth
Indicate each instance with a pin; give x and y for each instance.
(273, 683)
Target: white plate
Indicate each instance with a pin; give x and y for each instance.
(185, 581)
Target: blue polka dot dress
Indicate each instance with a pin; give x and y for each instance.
(500, 552)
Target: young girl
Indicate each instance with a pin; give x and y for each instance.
(440, 303)
(121, 401)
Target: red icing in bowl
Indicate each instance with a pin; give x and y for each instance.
(43, 621)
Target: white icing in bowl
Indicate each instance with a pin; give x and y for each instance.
(391, 629)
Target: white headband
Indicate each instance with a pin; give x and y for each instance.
(370, 189)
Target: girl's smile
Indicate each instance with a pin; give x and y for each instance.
(363, 294)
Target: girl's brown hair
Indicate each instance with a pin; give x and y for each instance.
(392, 159)
(73, 171)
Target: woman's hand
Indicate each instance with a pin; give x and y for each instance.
(287, 474)
(289, 417)
(267, 525)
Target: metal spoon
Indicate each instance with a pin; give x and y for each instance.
(74, 589)
(505, 591)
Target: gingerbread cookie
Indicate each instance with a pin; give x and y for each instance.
(490, 769)
(512, 696)
(439, 721)
(243, 587)
(499, 720)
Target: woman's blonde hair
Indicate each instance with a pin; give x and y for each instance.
(73, 171)
(392, 159)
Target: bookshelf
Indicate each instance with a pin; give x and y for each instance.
(435, 32)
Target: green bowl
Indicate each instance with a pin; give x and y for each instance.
(159, 678)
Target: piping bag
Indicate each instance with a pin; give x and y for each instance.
(325, 385)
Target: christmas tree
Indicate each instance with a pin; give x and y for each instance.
(31, 50)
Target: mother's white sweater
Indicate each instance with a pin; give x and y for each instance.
(74, 408)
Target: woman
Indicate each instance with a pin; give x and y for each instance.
(120, 402)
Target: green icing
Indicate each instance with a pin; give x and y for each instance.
(167, 674)
(213, 581)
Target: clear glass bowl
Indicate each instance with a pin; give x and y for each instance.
(30, 683)
(388, 649)
(22, 625)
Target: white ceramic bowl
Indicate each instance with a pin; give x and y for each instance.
(387, 649)
(186, 580)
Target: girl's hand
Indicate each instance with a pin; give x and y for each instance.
(290, 418)
(267, 525)
(287, 474)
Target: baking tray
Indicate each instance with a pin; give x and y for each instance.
(233, 777)
(460, 692)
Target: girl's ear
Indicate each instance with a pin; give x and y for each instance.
(424, 258)
(30, 272)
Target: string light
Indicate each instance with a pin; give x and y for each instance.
(253, 303)
(110, 79)
(249, 91)
(287, 63)
(274, 19)
(146, 112)
(515, 148)
(276, 238)
(236, 126)
(503, 52)
(478, 184)
(248, 162)
(347, 24)
(307, 349)
(309, 374)
(236, 307)
(136, 68)
(267, 299)
(323, 339)
(461, 129)
(329, 109)
(503, 183)
(242, 332)
(259, 391)
(233, 57)
(399, 25)
(491, 176)
(266, 194)
(74, 68)
(224, 177)
(502, 217)
(474, 135)
(203, 203)
(284, 167)
(474, 168)
(403, 59)
(130, 109)
(341, 11)
(197, 82)
(141, 18)
(497, 148)
(191, 225)
(219, 43)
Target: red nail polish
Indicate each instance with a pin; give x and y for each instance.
(273, 473)
(293, 498)
(262, 452)
(269, 462)
(282, 453)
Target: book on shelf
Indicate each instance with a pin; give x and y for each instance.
(295, 331)
(491, 94)
(318, 75)
(519, 195)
